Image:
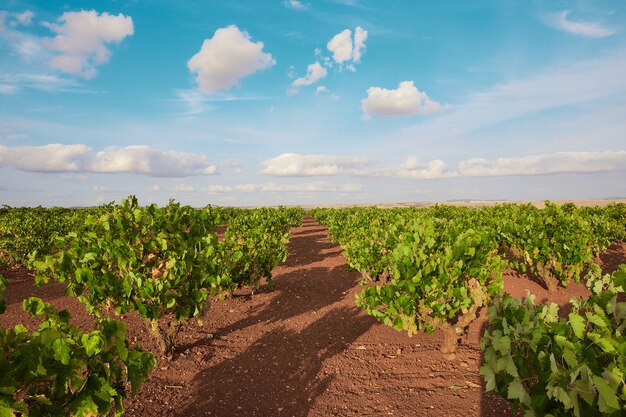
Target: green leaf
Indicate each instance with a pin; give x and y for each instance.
(92, 343)
(86, 408)
(489, 377)
(570, 357)
(516, 391)
(596, 319)
(585, 390)
(61, 351)
(604, 342)
(34, 306)
(503, 344)
(511, 369)
(607, 399)
(578, 324)
(560, 394)
(6, 411)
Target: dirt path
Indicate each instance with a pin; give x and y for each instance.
(303, 349)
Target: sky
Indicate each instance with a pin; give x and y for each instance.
(311, 102)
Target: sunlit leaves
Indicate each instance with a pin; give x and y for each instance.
(573, 365)
(58, 370)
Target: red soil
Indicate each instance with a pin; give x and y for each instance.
(304, 349)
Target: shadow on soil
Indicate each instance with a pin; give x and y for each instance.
(614, 256)
(280, 374)
(22, 285)
(299, 297)
(302, 290)
(311, 235)
(491, 404)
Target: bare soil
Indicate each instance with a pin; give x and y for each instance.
(304, 349)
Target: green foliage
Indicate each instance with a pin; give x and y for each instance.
(59, 370)
(165, 262)
(433, 269)
(560, 363)
(556, 243)
(3, 287)
(27, 230)
(160, 262)
(254, 243)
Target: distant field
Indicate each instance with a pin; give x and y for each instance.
(475, 203)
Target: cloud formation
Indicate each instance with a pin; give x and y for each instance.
(295, 4)
(226, 58)
(27, 47)
(311, 187)
(82, 40)
(25, 18)
(314, 73)
(413, 169)
(272, 187)
(296, 165)
(560, 21)
(218, 189)
(556, 163)
(406, 100)
(347, 49)
(48, 158)
(138, 159)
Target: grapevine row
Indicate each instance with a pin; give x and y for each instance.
(162, 262)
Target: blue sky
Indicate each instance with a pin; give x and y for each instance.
(296, 102)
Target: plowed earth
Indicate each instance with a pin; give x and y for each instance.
(304, 349)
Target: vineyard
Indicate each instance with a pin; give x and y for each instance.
(223, 311)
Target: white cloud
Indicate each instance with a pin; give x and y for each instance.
(322, 89)
(131, 159)
(82, 38)
(27, 47)
(296, 165)
(314, 73)
(184, 188)
(345, 49)
(194, 102)
(561, 162)
(142, 159)
(406, 100)
(360, 36)
(413, 169)
(15, 19)
(48, 158)
(218, 189)
(226, 58)
(25, 18)
(587, 29)
(341, 46)
(41, 82)
(295, 4)
(312, 187)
